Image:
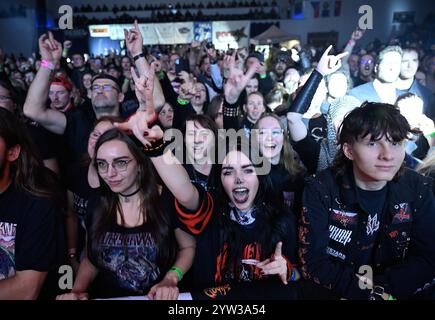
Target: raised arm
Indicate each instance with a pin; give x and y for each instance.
(134, 42)
(327, 64)
(35, 105)
(169, 168)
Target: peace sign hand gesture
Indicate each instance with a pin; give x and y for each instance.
(144, 86)
(237, 80)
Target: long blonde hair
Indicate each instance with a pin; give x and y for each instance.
(428, 165)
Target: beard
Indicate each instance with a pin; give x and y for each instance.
(104, 107)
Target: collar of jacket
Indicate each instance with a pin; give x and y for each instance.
(398, 191)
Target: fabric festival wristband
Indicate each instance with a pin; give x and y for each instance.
(178, 272)
(293, 278)
(431, 135)
(47, 64)
(182, 102)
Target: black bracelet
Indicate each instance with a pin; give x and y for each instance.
(156, 149)
(140, 55)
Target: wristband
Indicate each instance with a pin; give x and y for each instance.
(391, 297)
(47, 64)
(293, 278)
(156, 149)
(182, 101)
(138, 56)
(431, 135)
(351, 42)
(178, 271)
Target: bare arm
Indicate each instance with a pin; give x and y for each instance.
(327, 64)
(25, 285)
(167, 288)
(177, 180)
(35, 104)
(134, 44)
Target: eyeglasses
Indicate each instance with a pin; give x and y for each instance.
(119, 165)
(105, 87)
(3, 98)
(369, 61)
(273, 132)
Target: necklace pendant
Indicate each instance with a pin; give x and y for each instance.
(126, 199)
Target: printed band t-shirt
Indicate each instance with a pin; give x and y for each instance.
(30, 233)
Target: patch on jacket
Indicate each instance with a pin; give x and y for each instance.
(342, 236)
(344, 217)
(403, 213)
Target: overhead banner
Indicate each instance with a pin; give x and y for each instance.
(233, 34)
(183, 32)
(99, 31)
(152, 33)
(203, 31)
(149, 34)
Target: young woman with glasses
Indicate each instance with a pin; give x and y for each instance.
(133, 244)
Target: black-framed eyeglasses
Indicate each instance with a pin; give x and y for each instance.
(105, 87)
(119, 165)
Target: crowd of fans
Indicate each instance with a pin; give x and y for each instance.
(138, 219)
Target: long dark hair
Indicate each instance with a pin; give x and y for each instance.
(28, 171)
(372, 118)
(271, 214)
(150, 207)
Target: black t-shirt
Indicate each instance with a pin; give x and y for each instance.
(208, 269)
(317, 128)
(31, 233)
(126, 257)
(79, 125)
(287, 187)
(373, 204)
(47, 144)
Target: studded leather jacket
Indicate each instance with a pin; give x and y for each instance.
(333, 221)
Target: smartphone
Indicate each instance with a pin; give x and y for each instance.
(180, 65)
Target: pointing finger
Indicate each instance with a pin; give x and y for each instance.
(327, 51)
(341, 55)
(278, 250)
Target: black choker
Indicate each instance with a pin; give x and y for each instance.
(126, 196)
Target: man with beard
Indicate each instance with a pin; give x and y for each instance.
(76, 124)
(408, 83)
(60, 94)
(387, 70)
(31, 238)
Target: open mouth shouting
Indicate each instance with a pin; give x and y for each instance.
(240, 195)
